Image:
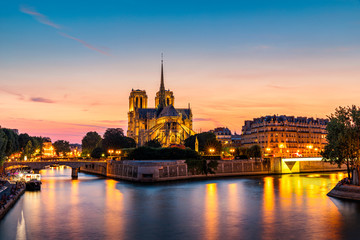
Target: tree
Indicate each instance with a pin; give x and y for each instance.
(153, 143)
(254, 151)
(114, 139)
(24, 138)
(61, 146)
(27, 150)
(3, 142)
(343, 138)
(90, 141)
(206, 141)
(97, 152)
(12, 144)
(201, 166)
(242, 153)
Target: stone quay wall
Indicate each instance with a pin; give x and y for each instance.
(11, 202)
(167, 170)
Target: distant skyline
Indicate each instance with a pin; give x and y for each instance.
(68, 68)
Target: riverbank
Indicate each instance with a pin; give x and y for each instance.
(345, 191)
(9, 195)
(173, 170)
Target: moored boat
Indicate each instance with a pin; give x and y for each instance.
(33, 185)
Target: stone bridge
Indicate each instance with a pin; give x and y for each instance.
(36, 166)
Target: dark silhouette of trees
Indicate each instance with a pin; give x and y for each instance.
(153, 143)
(343, 138)
(90, 141)
(97, 152)
(254, 151)
(206, 141)
(114, 139)
(61, 146)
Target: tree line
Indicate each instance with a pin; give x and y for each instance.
(11, 142)
(96, 146)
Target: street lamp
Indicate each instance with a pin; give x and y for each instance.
(211, 150)
(232, 150)
(110, 151)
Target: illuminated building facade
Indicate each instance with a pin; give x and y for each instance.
(164, 123)
(286, 136)
(48, 149)
(223, 135)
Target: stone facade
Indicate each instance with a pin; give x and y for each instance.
(286, 136)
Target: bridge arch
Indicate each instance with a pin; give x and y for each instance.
(36, 166)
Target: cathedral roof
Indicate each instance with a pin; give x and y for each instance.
(168, 111)
(147, 113)
(185, 112)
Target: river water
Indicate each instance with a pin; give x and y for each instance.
(272, 207)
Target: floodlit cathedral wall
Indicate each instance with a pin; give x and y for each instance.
(167, 124)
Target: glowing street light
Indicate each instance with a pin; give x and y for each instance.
(211, 150)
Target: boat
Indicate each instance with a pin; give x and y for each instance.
(33, 182)
(33, 185)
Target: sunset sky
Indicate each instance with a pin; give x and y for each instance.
(67, 68)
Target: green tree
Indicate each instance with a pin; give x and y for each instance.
(201, 166)
(343, 138)
(97, 152)
(28, 150)
(242, 153)
(3, 143)
(153, 143)
(90, 141)
(24, 138)
(114, 139)
(61, 146)
(12, 144)
(206, 141)
(254, 151)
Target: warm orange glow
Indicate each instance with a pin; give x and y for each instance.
(211, 212)
(268, 206)
(114, 207)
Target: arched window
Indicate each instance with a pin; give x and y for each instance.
(141, 102)
(136, 102)
(168, 101)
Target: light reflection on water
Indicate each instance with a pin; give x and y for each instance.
(270, 207)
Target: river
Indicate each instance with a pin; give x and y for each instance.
(263, 207)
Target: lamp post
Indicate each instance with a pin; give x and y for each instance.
(211, 151)
(110, 151)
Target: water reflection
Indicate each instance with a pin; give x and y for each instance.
(211, 212)
(113, 210)
(302, 200)
(268, 207)
(21, 228)
(272, 207)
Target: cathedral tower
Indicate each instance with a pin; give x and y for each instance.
(137, 99)
(163, 97)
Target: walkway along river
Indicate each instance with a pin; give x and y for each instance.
(262, 207)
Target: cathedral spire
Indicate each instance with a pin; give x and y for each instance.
(162, 102)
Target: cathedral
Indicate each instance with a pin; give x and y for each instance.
(167, 124)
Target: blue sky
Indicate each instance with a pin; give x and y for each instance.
(232, 60)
